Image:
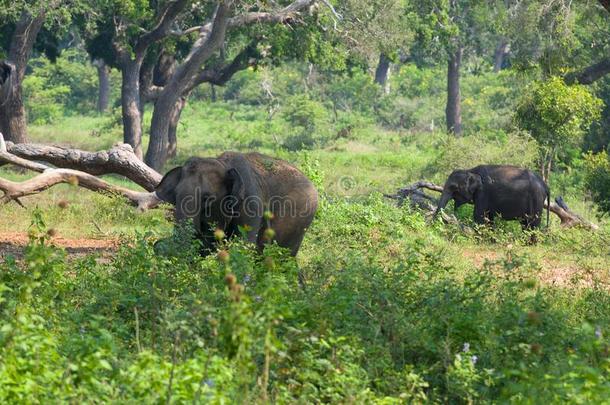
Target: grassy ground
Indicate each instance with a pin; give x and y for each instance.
(369, 160)
(388, 307)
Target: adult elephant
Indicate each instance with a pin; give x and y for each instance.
(235, 191)
(508, 191)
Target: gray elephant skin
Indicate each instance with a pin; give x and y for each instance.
(507, 191)
(234, 191)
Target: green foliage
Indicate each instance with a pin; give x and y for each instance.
(305, 116)
(557, 114)
(52, 90)
(45, 104)
(516, 149)
(597, 178)
(381, 325)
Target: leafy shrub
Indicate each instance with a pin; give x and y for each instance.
(517, 149)
(69, 84)
(307, 117)
(597, 178)
(44, 102)
(353, 92)
(557, 115)
(412, 81)
(304, 113)
(245, 87)
(364, 320)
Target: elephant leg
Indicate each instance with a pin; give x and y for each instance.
(530, 223)
(490, 216)
(480, 210)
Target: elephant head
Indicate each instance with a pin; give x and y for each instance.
(461, 186)
(205, 191)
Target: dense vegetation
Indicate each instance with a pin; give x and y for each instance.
(382, 304)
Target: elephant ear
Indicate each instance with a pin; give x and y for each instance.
(236, 185)
(474, 183)
(166, 190)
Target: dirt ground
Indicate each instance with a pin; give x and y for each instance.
(553, 272)
(13, 243)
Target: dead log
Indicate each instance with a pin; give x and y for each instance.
(14, 190)
(51, 176)
(419, 199)
(120, 159)
(569, 218)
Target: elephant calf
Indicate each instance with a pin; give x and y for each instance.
(508, 191)
(234, 191)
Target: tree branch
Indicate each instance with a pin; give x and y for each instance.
(179, 32)
(162, 29)
(51, 176)
(589, 74)
(14, 190)
(120, 159)
(22, 40)
(279, 16)
(220, 75)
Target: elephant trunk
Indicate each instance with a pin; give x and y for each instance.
(188, 208)
(445, 197)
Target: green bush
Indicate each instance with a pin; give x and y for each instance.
(44, 102)
(53, 89)
(307, 118)
(597, 178)
(517, 149)
(557, 116)
(353, 92)
(377, 313)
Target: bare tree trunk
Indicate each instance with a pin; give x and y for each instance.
(172, 139)
(12, 111)
(156, 154)
(12, 117)
(382, 73)
(453, 111)
(103, 95)
(499, 55)
(130, 103)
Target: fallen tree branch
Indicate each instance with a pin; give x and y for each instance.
(567, 217)
(51, 176)
(14, 190)
(419, 199)
(120, 159)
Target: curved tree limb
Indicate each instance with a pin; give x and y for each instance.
(163, 27)
(120, 159)
(589, 74)
(51, 176)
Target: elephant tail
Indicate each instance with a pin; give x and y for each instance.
(548, 205)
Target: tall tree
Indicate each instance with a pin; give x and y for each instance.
(215, 43)
(23, 22)
(122, 33)
(103, 76)
(452, 29)
(383, 29)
